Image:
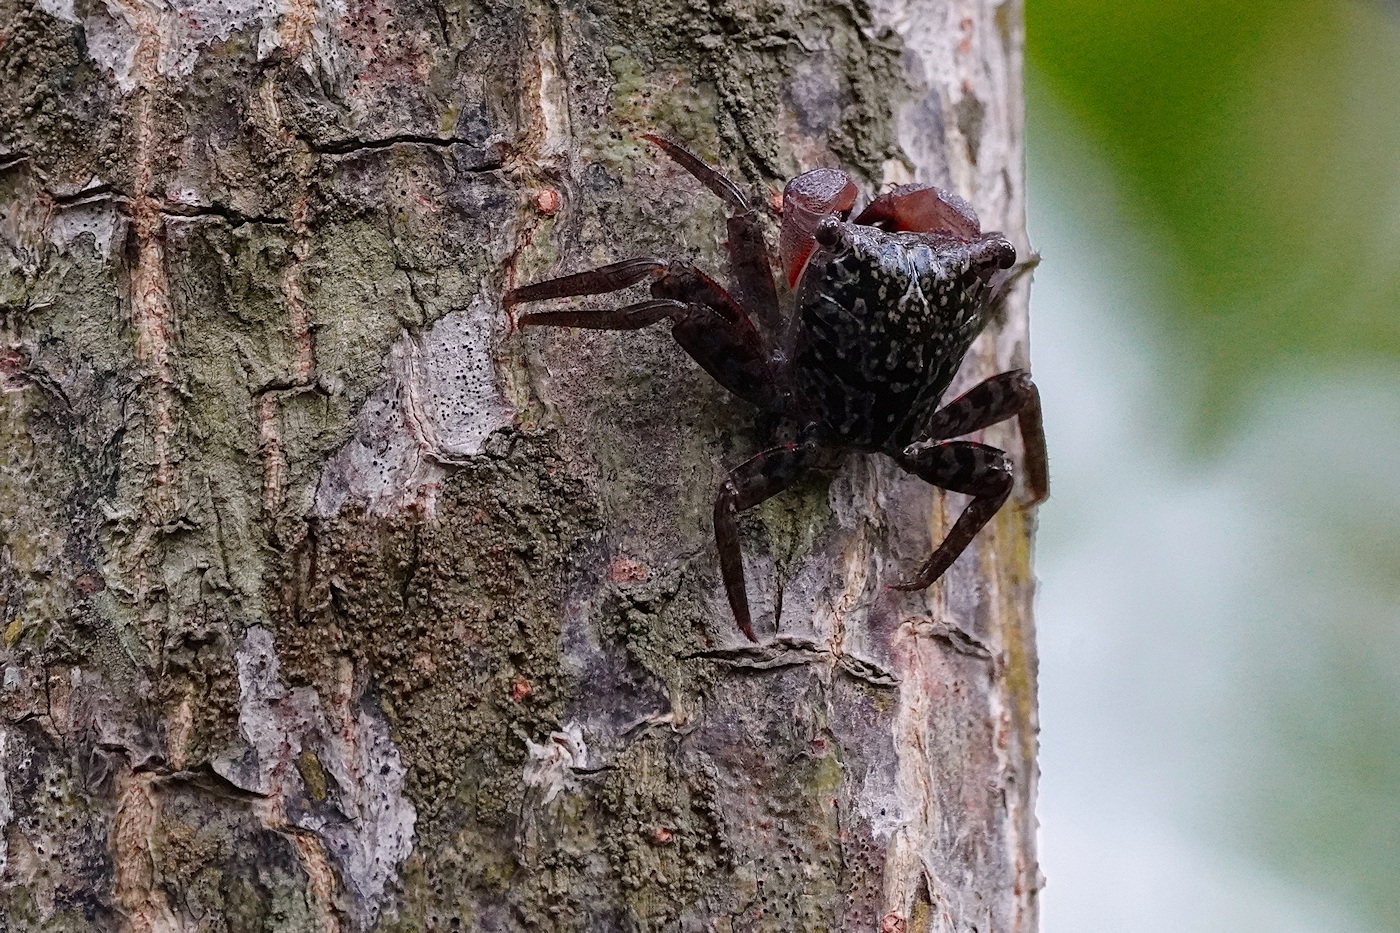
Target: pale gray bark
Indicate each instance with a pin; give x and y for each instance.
(332, 602)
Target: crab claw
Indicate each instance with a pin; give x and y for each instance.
(922, 208)
(808, 200)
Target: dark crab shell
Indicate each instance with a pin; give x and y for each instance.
(883, 323)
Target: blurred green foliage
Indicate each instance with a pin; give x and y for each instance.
(1260, 143)
(1264, 139)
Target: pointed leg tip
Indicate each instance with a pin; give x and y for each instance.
(1037, 489)
(745, 622)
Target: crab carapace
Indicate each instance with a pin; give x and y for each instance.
(854, 352)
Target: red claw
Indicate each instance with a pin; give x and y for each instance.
(922, 209)
(809, 199)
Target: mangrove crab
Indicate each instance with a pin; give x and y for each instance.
(880, 311)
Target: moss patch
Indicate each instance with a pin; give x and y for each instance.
(57, 106)
(744, 54)
(447, 617)
(663, 838)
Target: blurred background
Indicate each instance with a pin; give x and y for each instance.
(1215, 190)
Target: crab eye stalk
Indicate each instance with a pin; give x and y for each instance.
(1006, 255)
(809, 200)
(828, 232)
(992, 256)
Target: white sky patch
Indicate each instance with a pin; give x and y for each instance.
(1148, 877)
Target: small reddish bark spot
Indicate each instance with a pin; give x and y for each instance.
(662, 836)
(894, 923)
(89, 583)
(775, 201)
(520, 689)
(626, 570)
(12, 364)
(547, 201)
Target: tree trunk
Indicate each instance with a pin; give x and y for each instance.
(333, 602)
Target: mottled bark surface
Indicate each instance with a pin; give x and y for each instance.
(331, 602)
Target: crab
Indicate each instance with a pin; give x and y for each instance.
(852, 353)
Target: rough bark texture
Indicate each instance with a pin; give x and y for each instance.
(331, 602)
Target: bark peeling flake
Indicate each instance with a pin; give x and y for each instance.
(366, 824)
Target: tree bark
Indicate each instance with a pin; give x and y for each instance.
(333, 602)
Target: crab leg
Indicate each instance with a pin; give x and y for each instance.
(996, 399)
(978, 470)
(730, 351)
(751, 271)
(609, 278)
(760, 477)
(632, 317)
(708, 176)
(748, 251)
(705, 320)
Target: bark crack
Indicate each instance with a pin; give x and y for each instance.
(490, 151)
(234, 218)
(795, 651)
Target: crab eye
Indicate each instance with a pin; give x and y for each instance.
(1006, 256)
(828, 232)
